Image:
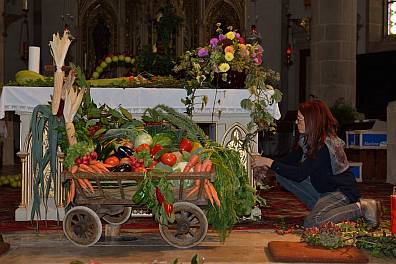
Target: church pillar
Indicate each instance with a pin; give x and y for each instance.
(1, 43)
(333, 50)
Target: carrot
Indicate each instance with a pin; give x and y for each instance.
(72, 192)
(95, 168)
(209, 193)
(74, 169)
(209, 166)
(86, 168)
(214, 193)
(101, 166)
(205, 164)
(82, 183)
(191, 163)
(89, 185)
(197, 167)
(193, 190)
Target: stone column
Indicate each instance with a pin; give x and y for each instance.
(1, 43)
(333, 50)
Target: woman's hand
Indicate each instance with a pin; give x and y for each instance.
(259, 161)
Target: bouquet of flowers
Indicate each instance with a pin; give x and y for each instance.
(227, 58)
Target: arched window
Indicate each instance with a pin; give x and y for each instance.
(391, 17)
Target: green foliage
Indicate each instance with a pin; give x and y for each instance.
(232, 185)
(178, 120)
(166, 25)
(47, 82)
(153, 62)
(43, 120)
(345, 113)
(77, 150)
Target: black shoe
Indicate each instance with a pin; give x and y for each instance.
(371, 210)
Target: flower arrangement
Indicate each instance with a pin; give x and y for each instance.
(224, 54)
(228, 55)
(331, 236)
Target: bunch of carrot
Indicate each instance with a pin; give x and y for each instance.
(205, 166)
(94, 166)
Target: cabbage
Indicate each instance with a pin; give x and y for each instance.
(143, 138)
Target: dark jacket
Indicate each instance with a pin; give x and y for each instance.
(320, 173)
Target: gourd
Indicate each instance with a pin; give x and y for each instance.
(24, 77)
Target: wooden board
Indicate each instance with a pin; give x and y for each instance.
(294, 252)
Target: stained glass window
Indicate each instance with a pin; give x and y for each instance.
(391, 17)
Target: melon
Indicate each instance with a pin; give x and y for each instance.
(24, 77)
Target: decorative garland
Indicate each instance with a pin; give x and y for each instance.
(112, 60)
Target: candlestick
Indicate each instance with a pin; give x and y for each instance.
(25, 5)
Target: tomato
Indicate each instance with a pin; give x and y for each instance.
(140, 169)
(155, 149)
(185, 145)
(112, 161)
(169, 159)
(142, 147)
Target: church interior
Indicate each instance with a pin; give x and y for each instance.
(133, 58)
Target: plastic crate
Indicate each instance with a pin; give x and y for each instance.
(366, 139)
(356, 168)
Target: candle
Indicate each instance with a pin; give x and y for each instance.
(393, 211)
(24, 4)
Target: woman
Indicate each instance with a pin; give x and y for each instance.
(317, 171)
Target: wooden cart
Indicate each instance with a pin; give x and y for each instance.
(112, 202)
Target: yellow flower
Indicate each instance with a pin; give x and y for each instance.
(224, 67)
(230, 35)
(229, 49)
(229, 56)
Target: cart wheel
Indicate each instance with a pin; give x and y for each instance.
(119, 219)
(82, 226)
(188, 229)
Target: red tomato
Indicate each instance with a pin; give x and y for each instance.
(185, 145)
(155, 149)
(140, 169)
(142, 147)
(169, 159)
(112, 161)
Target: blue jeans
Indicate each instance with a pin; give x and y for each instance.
(326, 207)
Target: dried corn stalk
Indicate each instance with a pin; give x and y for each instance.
(58, 46)
(73, 98)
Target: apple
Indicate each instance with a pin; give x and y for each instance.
(121, 57)
(103, 64)
(128, 59)
(114, 58)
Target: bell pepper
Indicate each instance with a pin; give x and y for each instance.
(155, 149)
(159, 195)
(168, 208)
(138, 197)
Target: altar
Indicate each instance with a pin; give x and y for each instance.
(223, 108)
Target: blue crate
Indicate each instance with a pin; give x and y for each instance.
(366, 139)
(356, 168)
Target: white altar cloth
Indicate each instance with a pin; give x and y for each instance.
(135, 100)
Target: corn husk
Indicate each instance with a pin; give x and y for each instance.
(73, 99)
(68, 83)
(59, 47)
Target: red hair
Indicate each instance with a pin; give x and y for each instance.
(319, 123)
